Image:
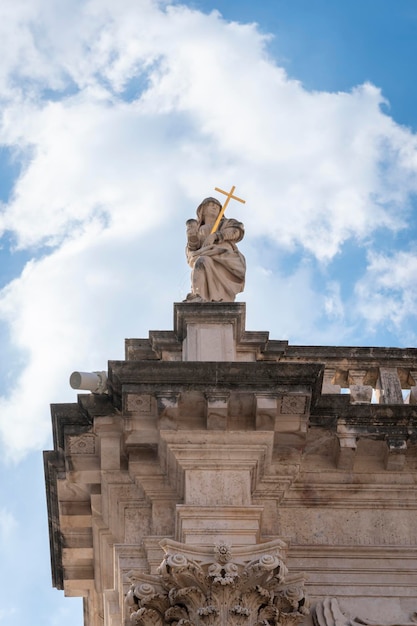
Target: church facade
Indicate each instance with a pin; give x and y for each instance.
(224, 477)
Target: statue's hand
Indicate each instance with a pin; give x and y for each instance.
(211, 239)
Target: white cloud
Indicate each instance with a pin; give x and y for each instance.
(310, 163)
(91, 162)
(333, 301)
(8, 524)
(387, 294)
(72, 310)
(152, 106)
(5, 614)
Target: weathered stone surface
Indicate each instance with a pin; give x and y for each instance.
(264, 441)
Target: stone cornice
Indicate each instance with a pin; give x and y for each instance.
(54, 464)
(377, 420)
(146, 376)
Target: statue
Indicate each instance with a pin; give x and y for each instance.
(218, 268)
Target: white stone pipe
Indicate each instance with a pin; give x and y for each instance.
(96, 382)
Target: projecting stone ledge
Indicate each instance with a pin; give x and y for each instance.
(144, 376)
(396, 425)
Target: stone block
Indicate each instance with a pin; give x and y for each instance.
(168, 409)
(389, 387)
(266, 411)
(395, 454)
(413, 395)
(110, 452)
(217, 410)
(209, 342)
(329, 385)
(207, 525)
(215, 487)
(346, 446)
(360, 394)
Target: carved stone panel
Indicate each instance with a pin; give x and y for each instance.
(139, 403)
(82, 444)
(293, 405)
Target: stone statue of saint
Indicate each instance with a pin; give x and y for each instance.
(218, 268)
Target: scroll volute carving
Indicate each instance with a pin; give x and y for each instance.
(215, 587)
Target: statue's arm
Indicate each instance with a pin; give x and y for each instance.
(193, 240)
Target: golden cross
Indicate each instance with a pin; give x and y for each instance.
(229, 195)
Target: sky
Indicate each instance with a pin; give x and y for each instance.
(117, 117)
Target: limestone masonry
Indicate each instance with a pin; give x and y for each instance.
(226, 478)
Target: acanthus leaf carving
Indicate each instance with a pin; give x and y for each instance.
(198, 586)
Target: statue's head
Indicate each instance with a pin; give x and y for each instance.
(205, 203)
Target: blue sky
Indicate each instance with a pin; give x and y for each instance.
(116, 119)
(336, 45)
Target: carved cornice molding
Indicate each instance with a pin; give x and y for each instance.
(215, 586)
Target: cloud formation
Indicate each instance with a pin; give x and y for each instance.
(122, 116)
(7, 525)
(388, 291)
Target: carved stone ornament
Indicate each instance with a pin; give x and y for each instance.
(197, 586)
(83, 444)
(328, 613)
